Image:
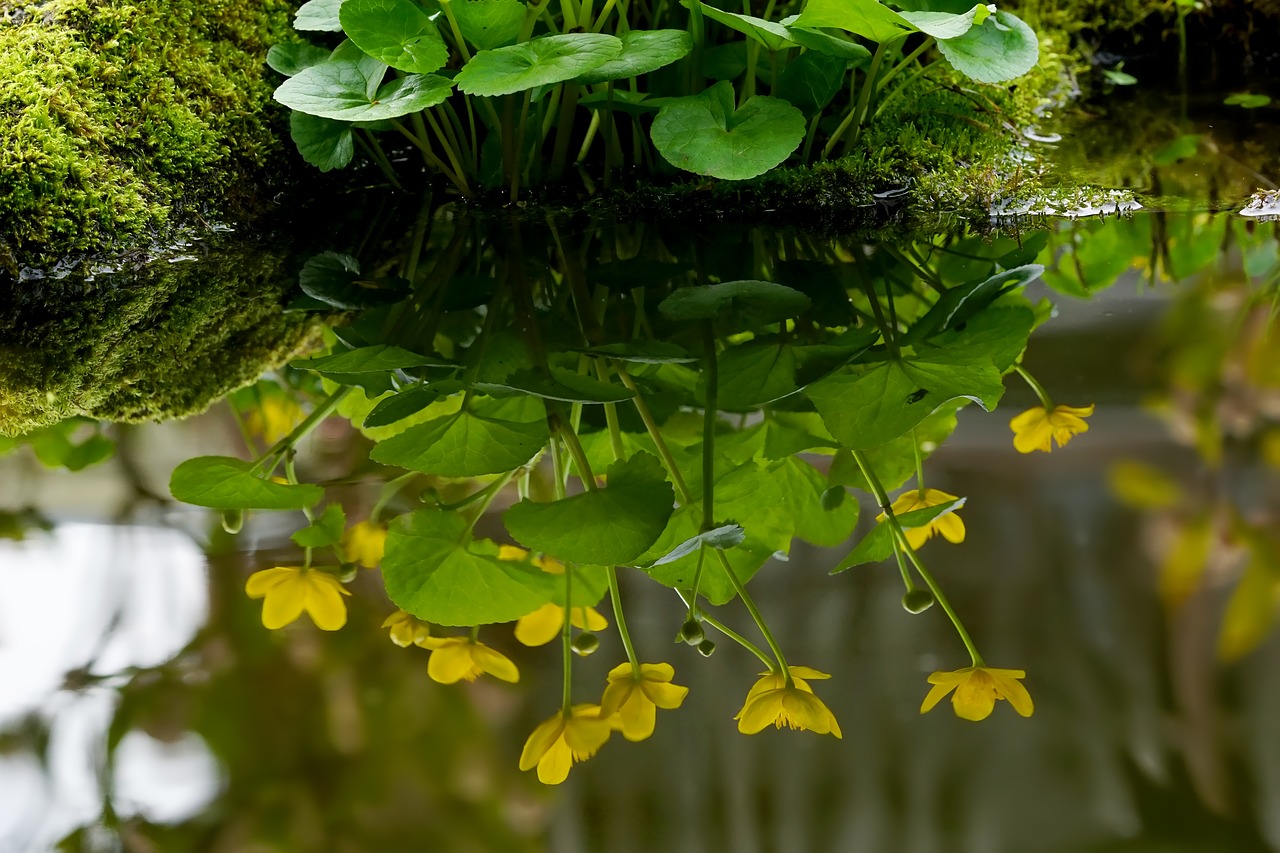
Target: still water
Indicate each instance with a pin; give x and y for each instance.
(1134, 574)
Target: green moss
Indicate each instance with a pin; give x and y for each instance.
(113, 114)
(164, 341)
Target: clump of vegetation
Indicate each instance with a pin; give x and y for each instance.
(116, 114)
(160, 343)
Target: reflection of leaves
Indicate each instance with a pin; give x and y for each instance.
(1251, 610)
(561, 384)
(609, 526)
(741, 304)
(433, 572)
(324, 531)
(464, 444)
(221, 482)
(895, 462)
(335, 280)
(877, 545)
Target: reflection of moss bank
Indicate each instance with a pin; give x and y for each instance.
(164, 342)
(112, 113)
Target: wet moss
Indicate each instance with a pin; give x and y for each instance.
(115, 116)
(164, 341)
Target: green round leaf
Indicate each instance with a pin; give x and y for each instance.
(396, 32)
(291, 57)
(705, 135)
(540, 62)
(319, 15)
(1248, 100)
(751, 303)
(339, 90)
(811, 81)
(222, 482)
(1001, 48)
(948, 25)
(488, 24)
(642, 51)
(772, 35)
(322, 142)
(867, 18)
(463, 445)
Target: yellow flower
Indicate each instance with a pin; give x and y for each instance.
(289, 590)
(274, 418)
(1037, 429)
(949, 525)
(977, 689)
(772, 701)
(364, 542)
(544, 624)
(631, 700)
(406, 629)
(455, 659)
(556, 744)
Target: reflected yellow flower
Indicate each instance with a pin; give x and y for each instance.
(631, 700)
(770, 700)
(544, 624)
(516, 554)
(949, 525)
(1037, 429)
(274, 418)
(407, 629)
(1142, 486)
(976, 690)
(556, 744)
(289, 590)
(364, 542)
(455, 659)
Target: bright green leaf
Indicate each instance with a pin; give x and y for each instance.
(488, 24)
(291, 57)
(802, 488)
(339, 90)
(643, 51)
(866, 18)
(319, 15)
(324, 531)
(396, 32)
(222, 482)
(877, 545)
(1001, 48)
(463, 444)
(542, 61)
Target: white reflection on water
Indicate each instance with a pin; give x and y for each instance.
(98, 601)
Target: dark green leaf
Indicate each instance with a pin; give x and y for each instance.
(408, 402)
(723, 537)
(488, 24)
(324, 531)
(810, 81)
(643, 51)
(322, 142)
(746, 304)
(878, 544)
(644, 352)
(335, 280)
(372, 359)
(560, 385)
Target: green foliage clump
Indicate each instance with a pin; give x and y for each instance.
(165, 342)
(113, 113)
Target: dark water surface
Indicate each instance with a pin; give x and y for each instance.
(1134, 575)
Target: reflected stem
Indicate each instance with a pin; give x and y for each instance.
(1045, 400)
(318, 414)
(703, 616)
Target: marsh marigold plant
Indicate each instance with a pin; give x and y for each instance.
(949, 525)
(976, 690)
(562, 741)
(289, 590)
(632, 698)
(772, 700)
(1038, 428)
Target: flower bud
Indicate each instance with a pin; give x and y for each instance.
(917, 601)
(585, 643)
(833, 497)
(706, 648)
(691, 632)
(232, 520)
(347, 572)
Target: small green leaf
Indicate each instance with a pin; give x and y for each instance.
(705, 135)
(324, 531)
(373, 359)
(1179, 149)
(609, 526)
(947, 25)
(291, 57)
(772, 35)
(749, 304)
(877, 545)
(562, 384)
(222, 482)
(463, 445)
(542, 61)
(335, 280)
(802, 489)
(396, 32)
(1119, 78)
(431, 570)
(322, 142)
(488, 24)
(408, 402)
(339, 90)
(319, 15)
(643, 51)
(723, 537)
(1001, 48)
(1248, 100)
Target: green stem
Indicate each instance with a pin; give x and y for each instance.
(389, 491)
(1035, 386)
(885, 330)
(726, 630)
(709, 418)
(618, 616)
(915, 446)
(318, 414)
(902, 567)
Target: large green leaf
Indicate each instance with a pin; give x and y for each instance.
(372, 359)
(879, 403)
(643, 51)
(878, 544)
(396, 32)
(746, 304)
(222, 482)
(322, 142)
(488, 24)
(1001, 48)
(751, 375)
(866, 18)
(561, 384)
(321, 15)
(540, 62)
(894, 462)
(839, 46)
(339, 90)
(772, 35)
(706, 135)
(609, 526)
(432, 571)
(463, 444)
(815, 521)
(947, 25)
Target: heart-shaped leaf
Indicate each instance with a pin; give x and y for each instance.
(705, 135)
(396, 32)
(866, 18)
(947, 25)
(463, 445)
(643, 51)
(321, 15)
(609, 526)
(1002, 48)
(539, 62)
(339, 90)
(222, 482)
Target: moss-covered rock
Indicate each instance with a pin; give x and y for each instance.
(164, 341)
(114, 115)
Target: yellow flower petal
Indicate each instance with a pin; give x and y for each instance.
(260, 583)
(554, 766)
(951, 528)
(637, 717)
(323, 600)
(616, 693)
(364, 543)
(282, 604)
(589, 619)
(495, 663)
(976, 690)
(547, 733)
(541, 626)
(1009, 688)
(1037, 429)
(772, 701)
(666, 696)
(451, 662)
(935, 696)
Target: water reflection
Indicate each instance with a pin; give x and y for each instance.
(1142, 739)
